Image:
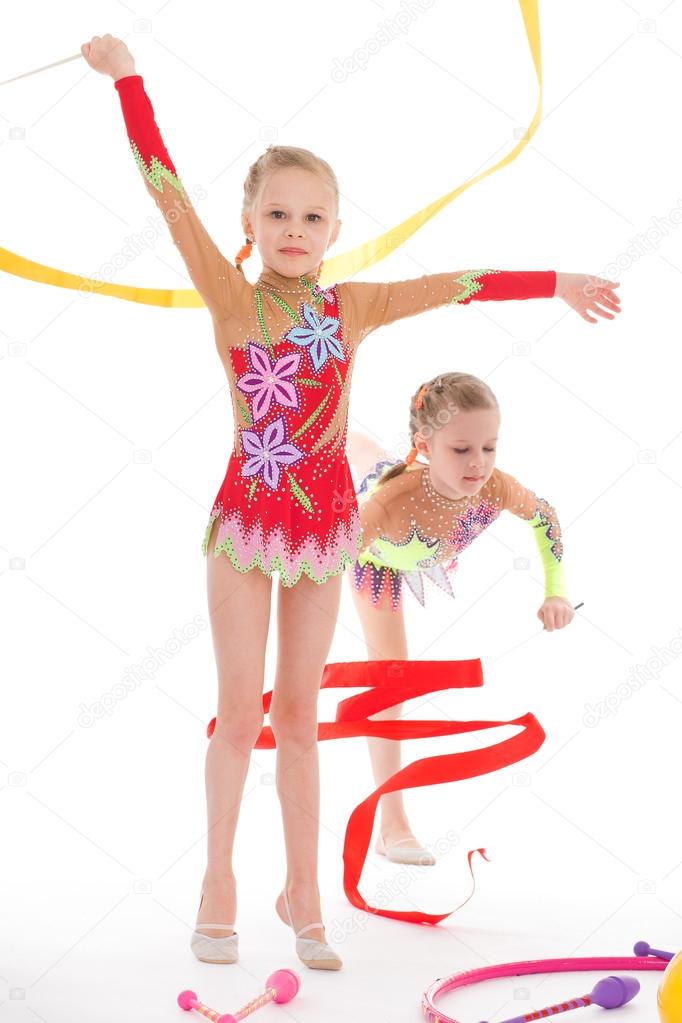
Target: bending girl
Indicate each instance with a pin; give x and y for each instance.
(416, 518)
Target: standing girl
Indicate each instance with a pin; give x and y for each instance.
(287, 348)
(416, 518)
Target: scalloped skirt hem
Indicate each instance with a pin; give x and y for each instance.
(313, 558)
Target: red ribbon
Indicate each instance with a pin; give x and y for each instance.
(390, 683)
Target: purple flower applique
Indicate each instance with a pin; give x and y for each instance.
(268, 382)
(268, 452)
(318, 337)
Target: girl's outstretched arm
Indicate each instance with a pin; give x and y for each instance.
(557, 609)
(216, 279)
(369, 305)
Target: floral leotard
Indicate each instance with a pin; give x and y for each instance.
(288, 349)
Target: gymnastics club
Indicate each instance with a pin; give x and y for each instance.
(643, 948)
(281, 986)
(36, 70)
(610, 993)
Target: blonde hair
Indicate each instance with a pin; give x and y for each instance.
(277, 158)
(434, 404)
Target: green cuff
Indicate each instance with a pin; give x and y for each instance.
(551, 553)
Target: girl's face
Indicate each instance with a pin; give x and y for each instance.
(295, 211)
(461, 450)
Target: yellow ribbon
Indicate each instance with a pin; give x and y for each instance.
(337, 268)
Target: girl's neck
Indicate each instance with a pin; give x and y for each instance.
(438, 489)
(273, 279)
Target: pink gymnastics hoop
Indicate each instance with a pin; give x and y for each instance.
(520, 969)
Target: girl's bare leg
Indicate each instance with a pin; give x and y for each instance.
(306, 617)
(385, 637)
(239, 609)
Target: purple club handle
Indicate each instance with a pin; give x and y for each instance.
(643, 948)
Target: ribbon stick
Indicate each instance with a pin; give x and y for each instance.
(390, 683)
(26, 74)
(337, 268)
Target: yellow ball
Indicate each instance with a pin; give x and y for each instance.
(670, 992)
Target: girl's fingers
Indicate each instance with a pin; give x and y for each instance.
(603, 300)
(594, 308)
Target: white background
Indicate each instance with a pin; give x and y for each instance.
(116, 431)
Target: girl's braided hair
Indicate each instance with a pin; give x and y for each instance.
(436, 402)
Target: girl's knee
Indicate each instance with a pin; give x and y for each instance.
(291, 724)
(238, 728)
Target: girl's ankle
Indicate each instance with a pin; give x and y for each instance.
(222, 880)
(296, 885)
(394, 824)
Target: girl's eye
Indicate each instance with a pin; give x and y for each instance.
(310, 214)
(463, 451)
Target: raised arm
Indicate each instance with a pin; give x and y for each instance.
(217, 280)
(368, 305)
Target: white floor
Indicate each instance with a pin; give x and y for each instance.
(76, 951)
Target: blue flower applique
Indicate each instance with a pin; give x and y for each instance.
(319, 337)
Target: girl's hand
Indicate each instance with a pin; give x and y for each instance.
(583, 292)
(555, 613)
(109, 56)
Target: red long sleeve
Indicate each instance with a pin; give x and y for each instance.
(218, 281)
(369, 305)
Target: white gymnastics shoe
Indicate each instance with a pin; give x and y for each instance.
(318, 955)
(417, 856)
(220, 949)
